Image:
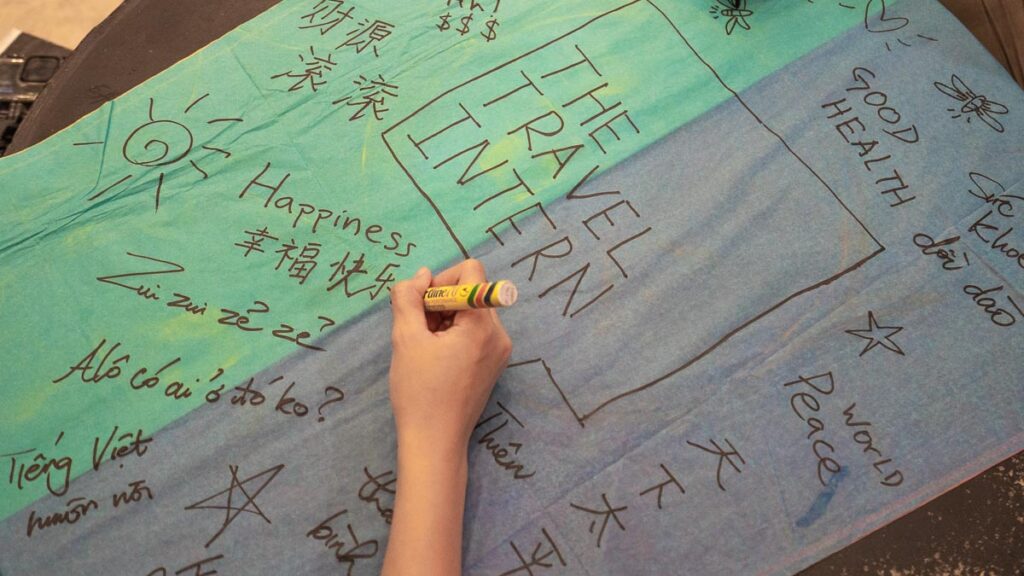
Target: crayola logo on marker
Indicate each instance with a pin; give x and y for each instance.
(499, 294)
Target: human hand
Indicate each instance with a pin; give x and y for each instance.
(443, 365)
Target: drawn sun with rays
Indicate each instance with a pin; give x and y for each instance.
(160, 144)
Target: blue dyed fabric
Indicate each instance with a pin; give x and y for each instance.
(789, 321)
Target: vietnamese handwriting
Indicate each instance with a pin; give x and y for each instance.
(104, 362)
(461, 21)
(78, 508)
(346, 550)
(197, 568)
(998, 313)
(870, 150)
(805, 402)
(1003, 314)
(245, 395)
(299, 262)
(317, 218)
(997, 302)
(988, 193)
(377, 489)
(58, 471)
(944, 250)
(242, 320)
(127, 444)
(992, 235)
(136, 491)
(504, 455)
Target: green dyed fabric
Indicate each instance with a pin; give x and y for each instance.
(134, 244)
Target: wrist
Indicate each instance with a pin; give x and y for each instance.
(447, 441)
(424, 453)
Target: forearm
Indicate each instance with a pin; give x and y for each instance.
(442, 372)
(426, 528)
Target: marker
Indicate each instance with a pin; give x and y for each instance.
(500, 294)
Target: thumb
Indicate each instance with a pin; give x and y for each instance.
(407, 301)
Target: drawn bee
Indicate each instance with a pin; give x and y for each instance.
(976, 104)
(735, 11)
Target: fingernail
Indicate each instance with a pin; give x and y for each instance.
(423, 271)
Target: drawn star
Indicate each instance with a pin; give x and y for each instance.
(878, 336)
(233, 504)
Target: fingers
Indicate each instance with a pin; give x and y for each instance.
(469, 271)
(448, 277)
(433, 321)
(505, 342)
(440, 321)
(445, 322)
(472, 272)
(407, 302)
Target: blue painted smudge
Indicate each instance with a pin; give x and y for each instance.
(817, 509)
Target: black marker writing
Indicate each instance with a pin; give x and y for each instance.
(504, 455)
(544, 555)
(26, 470)
(77, 509)
(660, 487)
(377, 489)
(999, 314)
(127, 444)
(347, 551)
(944, 250)
(605, 514)
(724, 457)
(132, 280)
(137, 490)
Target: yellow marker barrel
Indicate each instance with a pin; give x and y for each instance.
(500, 294)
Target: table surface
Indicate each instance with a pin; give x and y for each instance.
(976, 528)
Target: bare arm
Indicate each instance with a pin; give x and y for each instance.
(443, 368)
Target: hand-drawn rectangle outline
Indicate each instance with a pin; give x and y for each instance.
(582, 418)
